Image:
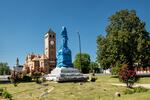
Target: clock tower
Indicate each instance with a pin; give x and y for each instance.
(50, 48)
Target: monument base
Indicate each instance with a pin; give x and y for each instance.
(66, 74)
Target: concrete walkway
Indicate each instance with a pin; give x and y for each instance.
(135, 85)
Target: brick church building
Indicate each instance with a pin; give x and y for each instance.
(45, 62)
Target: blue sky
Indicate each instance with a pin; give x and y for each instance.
(23, 24)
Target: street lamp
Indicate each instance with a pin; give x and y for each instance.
(79, 49)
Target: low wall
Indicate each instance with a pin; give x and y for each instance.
(4, 77)
(143, 73)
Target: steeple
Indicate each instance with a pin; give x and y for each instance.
(50, 31)
(17, 62)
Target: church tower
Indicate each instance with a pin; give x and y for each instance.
(50, 48)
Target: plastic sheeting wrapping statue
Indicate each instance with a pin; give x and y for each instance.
(64, 58)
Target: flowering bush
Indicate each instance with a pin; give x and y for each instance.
(15, 77)
(128, 75)
(36, 74)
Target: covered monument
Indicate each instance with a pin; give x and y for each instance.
(65, 70)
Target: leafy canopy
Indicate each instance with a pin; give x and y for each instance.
(84, 63)
(126, 42)
(4, 68)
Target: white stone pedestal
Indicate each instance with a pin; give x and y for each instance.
(66, 74)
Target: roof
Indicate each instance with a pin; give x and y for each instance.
(50, 31)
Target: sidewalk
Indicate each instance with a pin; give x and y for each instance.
(135, 85)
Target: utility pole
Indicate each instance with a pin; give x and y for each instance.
(80, 49)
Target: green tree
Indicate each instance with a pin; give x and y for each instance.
(84, 63)
(94, 66)
(126, 42)
(4, 68)
(103, 56)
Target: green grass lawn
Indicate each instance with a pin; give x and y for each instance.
(99, 90)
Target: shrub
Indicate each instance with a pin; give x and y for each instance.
(7, 95)
(43, 79)
(135, 90)
(140, 89)
(129, 91)
(115, 70)
(1, 91)
(36, 75)
(27, 79)
(93, 79)
(128, 75)
(15, 77)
